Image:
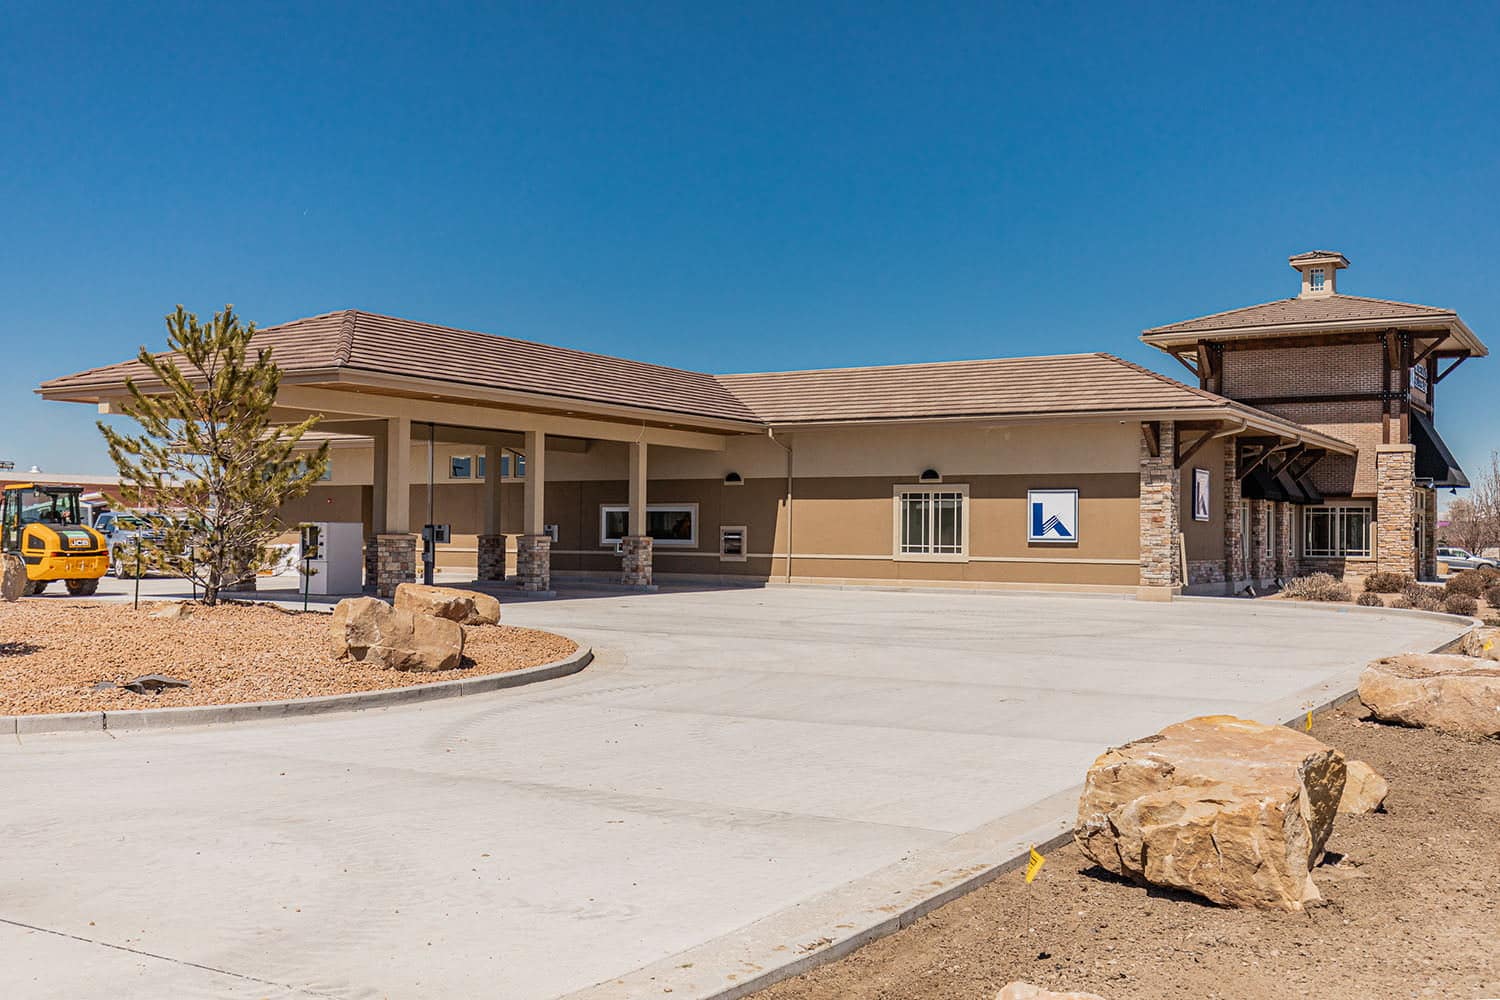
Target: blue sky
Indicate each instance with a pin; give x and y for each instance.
(734, 187)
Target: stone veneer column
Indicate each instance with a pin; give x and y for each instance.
(1161, 571)
(1428, 555)
(372, 561)
(635, 553)
(1262, 559)
(1286, 543)
(1235, 569)
(1395, 508)
(491, 557)
(534, 562)
(395, 562)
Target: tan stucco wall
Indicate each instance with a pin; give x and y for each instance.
(1204, 539)
(843, 501)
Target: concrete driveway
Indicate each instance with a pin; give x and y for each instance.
(731, 763)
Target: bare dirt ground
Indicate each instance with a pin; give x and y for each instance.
(53, 652)
(1412, 909)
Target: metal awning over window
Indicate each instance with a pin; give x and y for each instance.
(1434, 460)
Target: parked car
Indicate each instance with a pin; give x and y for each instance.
(1457, 559)
(121, 529)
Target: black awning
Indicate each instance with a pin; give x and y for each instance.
(1434, 460)
(1261, 485)
(1294, 491)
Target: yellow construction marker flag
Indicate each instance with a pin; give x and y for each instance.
(1034, 865)
(1308, 727)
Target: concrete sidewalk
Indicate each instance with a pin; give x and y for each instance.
(730, 755)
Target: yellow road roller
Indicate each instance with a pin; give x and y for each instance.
(42, 525)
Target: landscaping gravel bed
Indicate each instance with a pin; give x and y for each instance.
(1412, 909)
(52, 653)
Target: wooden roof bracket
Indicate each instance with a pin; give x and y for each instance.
(1458, 360)
(1267, 450)
(1151, 432)
(1183, 455)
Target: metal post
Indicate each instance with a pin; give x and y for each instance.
(429, 547)
(137, 605)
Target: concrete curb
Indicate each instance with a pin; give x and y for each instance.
(843, 920)
(1334, 607)
(207, 715)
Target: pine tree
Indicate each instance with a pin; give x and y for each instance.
(208, 454)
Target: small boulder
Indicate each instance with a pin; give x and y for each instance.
(1232, 810)
(1364, 789)
(1025, 991)
(467, 607)
(371, 631)
(1454, 694)
(1482, 642)
(12, 577)
(171, 612)
(152, 683)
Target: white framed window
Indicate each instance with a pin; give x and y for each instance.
(733, 543)
(1337, 531)
(1315, 279)
(932, 523)
(672, 524)
(461, 467)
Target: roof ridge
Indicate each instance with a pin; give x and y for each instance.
(1338, 296)
(1222, 312)
(1392, 302)
(909, 364)
(520, 340)
(346, 336)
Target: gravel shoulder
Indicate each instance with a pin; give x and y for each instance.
(52, 653)
(1412, 909)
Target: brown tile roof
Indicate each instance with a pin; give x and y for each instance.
(348, 343)
(1059, 384)
(357, 341)
(1305, 312)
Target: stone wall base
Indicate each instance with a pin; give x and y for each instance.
(1205, 571)
(534, 562)
(635, 560)
(396, 562)
(491, 557)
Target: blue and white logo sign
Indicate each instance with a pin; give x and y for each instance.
(1053, 515)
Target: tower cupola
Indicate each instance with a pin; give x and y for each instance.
(1319, 269)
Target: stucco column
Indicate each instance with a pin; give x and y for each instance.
(635, 547)
(1161, 574)
(392, 560)
(1395, 508)
(1235, 569)
(491, 541)
(534, 547)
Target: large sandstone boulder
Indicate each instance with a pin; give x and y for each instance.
(467, 607)
(371, 631)
(1232, 810)
(12, 577)
(1025, 991)
(1481, 642)
(1364, 789)
(1455, 694)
